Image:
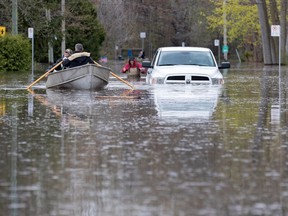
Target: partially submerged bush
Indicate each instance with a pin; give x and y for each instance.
(15, 53)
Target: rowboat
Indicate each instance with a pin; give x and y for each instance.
(85, 77)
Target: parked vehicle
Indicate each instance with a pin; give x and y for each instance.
(184, 65)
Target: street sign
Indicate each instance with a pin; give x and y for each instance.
(275, 30)
(30, 33)
(216, 42)
(2, 30)
(225, 49)
(142, 34)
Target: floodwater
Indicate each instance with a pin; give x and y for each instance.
(155, 151)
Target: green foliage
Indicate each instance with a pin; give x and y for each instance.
(32, 13)
(15, 53)
(83, 26)
(242, 21)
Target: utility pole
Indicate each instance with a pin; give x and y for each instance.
(225, 30)
(50, 47)
(14, 17)
(63, 43)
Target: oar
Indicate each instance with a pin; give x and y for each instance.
(44, 75)
(117, 77)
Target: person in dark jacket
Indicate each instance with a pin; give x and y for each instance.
(78, 58)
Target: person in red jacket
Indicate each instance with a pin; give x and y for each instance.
(133, 69)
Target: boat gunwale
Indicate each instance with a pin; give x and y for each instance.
(90, 72)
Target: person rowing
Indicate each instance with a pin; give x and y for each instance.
(78, 58)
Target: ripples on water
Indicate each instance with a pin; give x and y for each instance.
(176, 150)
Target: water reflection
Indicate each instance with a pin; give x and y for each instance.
(183, 101)
(117, 152)
(81, 109)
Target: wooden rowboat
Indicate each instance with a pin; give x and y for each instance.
(85, 77)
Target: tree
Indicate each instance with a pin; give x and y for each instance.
(15, 53)
(82, 24)
(166, 23)
(245, 26)
(270, 47)
(116, 22)
(242, 24)
(284, 33)
(265, 31)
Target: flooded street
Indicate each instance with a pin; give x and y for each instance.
(156, 151)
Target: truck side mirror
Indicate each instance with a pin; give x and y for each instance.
(224, 65)
(147, 64)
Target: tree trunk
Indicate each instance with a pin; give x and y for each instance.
(50, 47)
(14, 17)
(63, 28)
(283, 23)
(265, 30)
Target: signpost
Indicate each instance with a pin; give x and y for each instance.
(115, 52)
(217, 43)
(275, 32)
(142, 36)
(31, 35)
(2, 30)
(225, 49)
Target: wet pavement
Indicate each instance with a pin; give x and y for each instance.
(158, 150)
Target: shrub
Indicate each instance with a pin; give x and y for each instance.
(15, 53)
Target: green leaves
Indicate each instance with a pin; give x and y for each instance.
(15, 53)
(83, 26)
(242, 21)
(45, 16)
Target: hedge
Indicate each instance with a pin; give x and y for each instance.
(15, 53)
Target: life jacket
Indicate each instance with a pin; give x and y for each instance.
(78, 59)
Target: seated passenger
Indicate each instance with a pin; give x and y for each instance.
(67, 53)
(79, 57)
